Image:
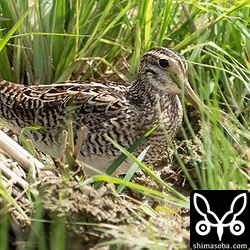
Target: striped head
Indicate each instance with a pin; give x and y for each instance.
(165, 69)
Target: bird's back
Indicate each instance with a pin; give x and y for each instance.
(44, 105)
(102, 108)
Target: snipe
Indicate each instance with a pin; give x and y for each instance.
(122, 113)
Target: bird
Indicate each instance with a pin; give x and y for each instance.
(123, 113)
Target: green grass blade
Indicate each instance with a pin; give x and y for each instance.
(10, 33)
(180, 201)
(111, 169)
(147, 170)
(132, 170)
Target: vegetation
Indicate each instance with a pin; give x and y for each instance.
(52, 40)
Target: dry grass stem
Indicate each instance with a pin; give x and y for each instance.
(19, 154)
(122, 76)
(79, 141)
(70, 136)
(63, 146)
(12, 177)
(32, 147)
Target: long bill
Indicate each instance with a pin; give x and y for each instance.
(190, 95)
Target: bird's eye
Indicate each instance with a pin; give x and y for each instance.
(164, 63)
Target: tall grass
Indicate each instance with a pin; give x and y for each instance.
(54, 40)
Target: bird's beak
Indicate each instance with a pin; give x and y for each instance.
(190, 95)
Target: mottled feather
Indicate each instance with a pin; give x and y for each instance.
(123, 113)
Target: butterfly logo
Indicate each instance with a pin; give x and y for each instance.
(210, 219)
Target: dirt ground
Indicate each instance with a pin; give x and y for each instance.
(118, 216)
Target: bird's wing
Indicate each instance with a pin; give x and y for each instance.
(41, 105)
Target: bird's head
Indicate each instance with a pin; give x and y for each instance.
(166, 70)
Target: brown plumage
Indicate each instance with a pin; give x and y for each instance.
(122, 113)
